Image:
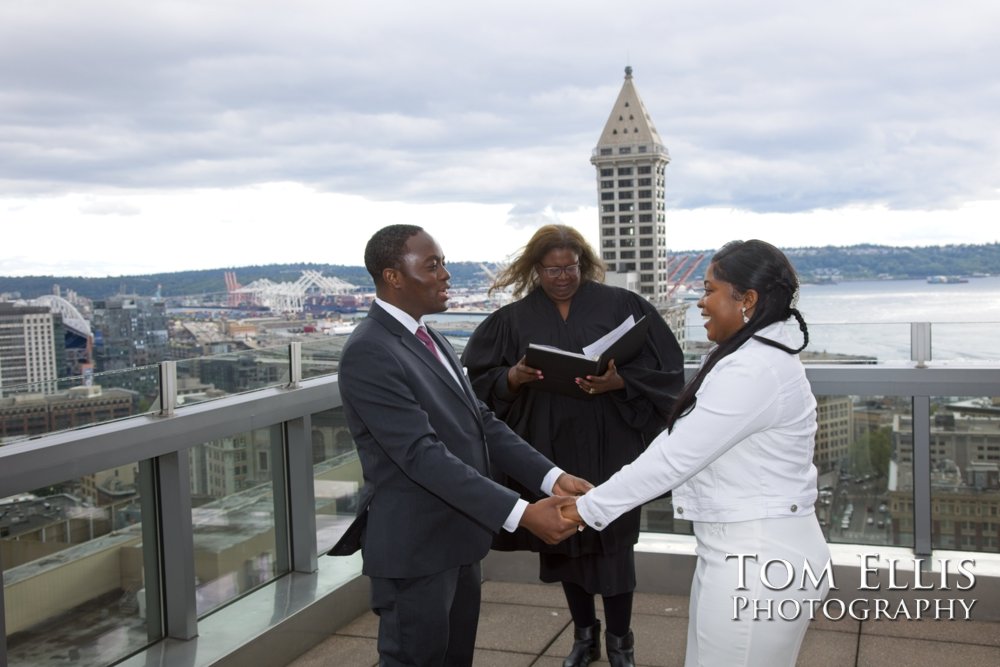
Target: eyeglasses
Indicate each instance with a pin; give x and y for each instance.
(556, 271)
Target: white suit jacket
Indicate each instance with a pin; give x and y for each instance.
(744, 452)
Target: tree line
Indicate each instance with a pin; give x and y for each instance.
(858, 262)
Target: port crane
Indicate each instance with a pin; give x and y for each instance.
(691, 266)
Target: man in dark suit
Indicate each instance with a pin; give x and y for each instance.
(427, 446)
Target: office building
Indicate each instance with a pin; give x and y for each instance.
(131, 333)
(31, 344)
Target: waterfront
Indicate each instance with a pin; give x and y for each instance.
(872, 318)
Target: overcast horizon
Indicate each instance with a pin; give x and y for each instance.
(172, 136)
(360, 262)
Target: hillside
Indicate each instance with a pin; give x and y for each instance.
(858, 262)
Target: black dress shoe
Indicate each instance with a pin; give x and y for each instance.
(621, 651)
(586, 647)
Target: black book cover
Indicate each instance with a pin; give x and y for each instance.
(560, 368)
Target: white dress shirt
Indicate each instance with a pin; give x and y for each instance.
(744, 452)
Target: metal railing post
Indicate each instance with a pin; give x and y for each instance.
(301, 494)
(294, 364)
(177, 540)
(922, 475)
(920, 343)
(168, 388)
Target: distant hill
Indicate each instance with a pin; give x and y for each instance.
(874, 261)
(857, 262)
(209, 281)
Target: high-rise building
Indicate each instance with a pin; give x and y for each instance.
(130, 333)
(30, 348)
(834, 431)
(631, 159)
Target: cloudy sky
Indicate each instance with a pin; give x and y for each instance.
(140, 137)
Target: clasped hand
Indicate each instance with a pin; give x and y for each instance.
(555, 518)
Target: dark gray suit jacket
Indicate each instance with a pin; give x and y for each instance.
(426, 447)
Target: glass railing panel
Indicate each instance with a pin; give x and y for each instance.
(74, 564)
(975, 342)
(865, 470)
(233, 515)
(322, 357)
(337, 476)
(965, 473)
(864, 343)
(30, 410)
(457, 325)
(206, 378)
(658, 517)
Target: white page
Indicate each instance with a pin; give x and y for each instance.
(597, 348)
(557, 350)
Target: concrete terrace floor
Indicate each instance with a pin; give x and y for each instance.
(528, 624)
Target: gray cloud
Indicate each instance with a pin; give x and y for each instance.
(776, 106)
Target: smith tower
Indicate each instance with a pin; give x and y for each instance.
(630, 159)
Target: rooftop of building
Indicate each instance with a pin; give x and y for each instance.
(528, 624)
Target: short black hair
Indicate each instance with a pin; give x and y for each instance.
(385, 248)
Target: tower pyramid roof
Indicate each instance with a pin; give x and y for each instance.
(629, 122)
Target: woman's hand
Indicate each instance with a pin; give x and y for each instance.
(600, 384)
(570, 513)
(520, 374)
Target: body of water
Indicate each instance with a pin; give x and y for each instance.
(872, 318)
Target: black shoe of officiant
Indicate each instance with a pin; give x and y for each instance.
(621, 651)
(586, 647)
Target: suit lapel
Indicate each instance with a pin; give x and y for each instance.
(411, 343)
(456, 365)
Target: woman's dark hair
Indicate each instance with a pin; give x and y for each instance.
(521, 272)
(749, 265)
(385, 248)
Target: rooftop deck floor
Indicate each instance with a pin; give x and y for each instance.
(528, 624)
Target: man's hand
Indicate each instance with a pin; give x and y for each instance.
(546, 521)
(568, 485)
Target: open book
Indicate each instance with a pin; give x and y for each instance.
(560, 368)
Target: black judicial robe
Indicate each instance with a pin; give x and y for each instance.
(590, 436)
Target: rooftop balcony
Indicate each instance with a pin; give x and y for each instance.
(190, 534)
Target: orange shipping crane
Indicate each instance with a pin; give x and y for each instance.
(687, 274)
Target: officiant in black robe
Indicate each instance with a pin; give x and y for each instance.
(591, 435)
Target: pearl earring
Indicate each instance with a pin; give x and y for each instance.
(744, 311)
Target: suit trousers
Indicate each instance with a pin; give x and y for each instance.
(766, 631)
(428, 621)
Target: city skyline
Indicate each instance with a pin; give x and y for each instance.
(143, 139)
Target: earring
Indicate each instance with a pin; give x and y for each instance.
(744, 311)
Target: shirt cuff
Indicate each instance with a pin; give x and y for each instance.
(550, 480)
(514, 518)
(590, 515)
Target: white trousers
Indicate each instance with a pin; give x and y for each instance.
(720, 634)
